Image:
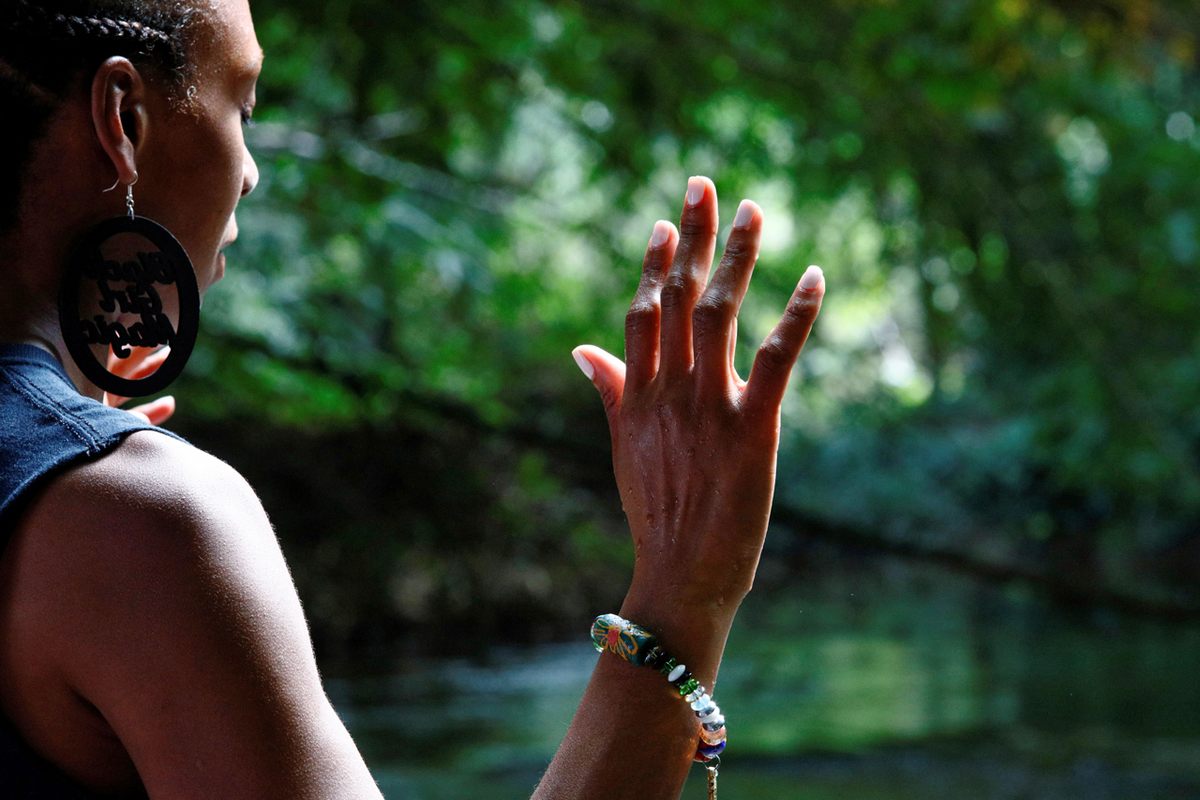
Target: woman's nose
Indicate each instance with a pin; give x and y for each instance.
(249, 174)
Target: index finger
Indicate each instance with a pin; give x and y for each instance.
(642, 319)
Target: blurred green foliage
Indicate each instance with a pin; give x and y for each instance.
(1002, 193)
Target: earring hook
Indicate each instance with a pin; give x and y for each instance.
(117, 182)
(128, 193)
(129, 196)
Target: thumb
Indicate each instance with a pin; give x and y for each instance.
(607, 374)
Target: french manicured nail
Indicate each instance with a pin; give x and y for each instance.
(744, 214)
(695, 191)
(584, 364)
(662, 232)
(811, 278)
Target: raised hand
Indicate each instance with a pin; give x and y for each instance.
(140, 364)
(694, 450)
(694, 446)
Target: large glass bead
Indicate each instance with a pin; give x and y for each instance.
(712, 737)
(601, 628)
(622, 638)
(710, 750)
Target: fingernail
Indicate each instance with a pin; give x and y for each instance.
(584, 364)
(811, 278)
(695, 191)
(744, 214)
(662, 232)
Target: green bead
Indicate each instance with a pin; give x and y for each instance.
(688, 686)
(667, 666)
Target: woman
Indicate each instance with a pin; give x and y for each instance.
(151, 639)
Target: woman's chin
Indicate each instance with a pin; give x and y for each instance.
(218, 271)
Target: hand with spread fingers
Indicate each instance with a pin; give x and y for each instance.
(694, 446)
(141, 362)
(694, 449)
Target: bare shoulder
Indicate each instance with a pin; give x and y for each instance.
(153, 524)
(154, 511)
(149, 479)
(153, 583)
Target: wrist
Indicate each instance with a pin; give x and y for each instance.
(695, 632)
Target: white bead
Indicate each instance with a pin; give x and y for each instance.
(702, 701)
(712, 715)
(677, 673)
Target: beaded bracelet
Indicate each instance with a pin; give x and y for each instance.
(638, 646)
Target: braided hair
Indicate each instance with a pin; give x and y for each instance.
(51, 48)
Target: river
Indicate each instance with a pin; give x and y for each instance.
(888, 682)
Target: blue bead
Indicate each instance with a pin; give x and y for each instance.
(710, 750)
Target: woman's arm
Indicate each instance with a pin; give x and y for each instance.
(694, 450)
(148, 604)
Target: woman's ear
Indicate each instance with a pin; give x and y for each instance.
(119, 114)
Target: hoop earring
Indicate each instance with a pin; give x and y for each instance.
(112, 261)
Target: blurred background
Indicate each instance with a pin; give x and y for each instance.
(982, 577)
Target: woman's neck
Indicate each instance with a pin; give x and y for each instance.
(29, 302)
(48, 337)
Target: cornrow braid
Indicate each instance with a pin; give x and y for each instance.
(98, 28)
(49, 49)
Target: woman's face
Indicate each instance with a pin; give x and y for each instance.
(194, 167)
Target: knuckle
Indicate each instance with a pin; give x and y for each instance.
(608, 396)
(642, 314)
(774, 352)
(690, 227)
(801, 310)
(652, 269)
(676, 290)
(711, 311)
(737, 251)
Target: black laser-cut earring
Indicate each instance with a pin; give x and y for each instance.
(109, 298)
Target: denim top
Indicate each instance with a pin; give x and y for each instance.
(45, 427)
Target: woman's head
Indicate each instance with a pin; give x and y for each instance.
(48, 48)
(152, 91)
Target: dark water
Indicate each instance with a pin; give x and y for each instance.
(893, 683)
